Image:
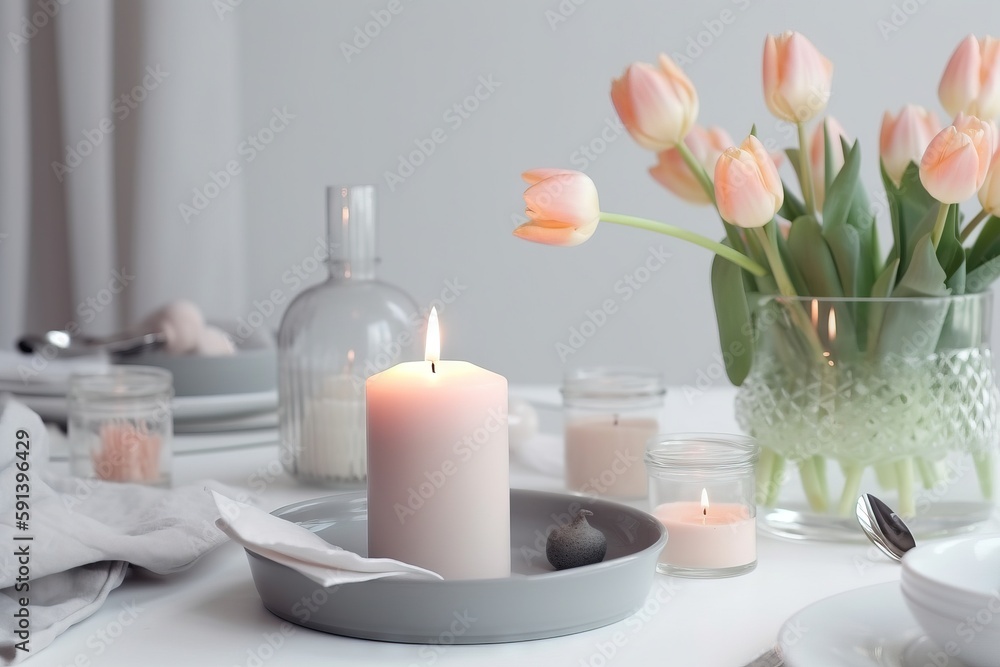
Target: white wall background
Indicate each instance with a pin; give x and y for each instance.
(452, 218)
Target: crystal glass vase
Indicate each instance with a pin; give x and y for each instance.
(332, 337)
(894, 397)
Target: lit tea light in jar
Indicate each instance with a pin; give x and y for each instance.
(706, 537)
(701, 535)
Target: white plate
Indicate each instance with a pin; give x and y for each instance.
(866, 627)
(53, 408)
(192, 444)
(239, 423)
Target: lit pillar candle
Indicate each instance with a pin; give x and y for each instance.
(438, 479)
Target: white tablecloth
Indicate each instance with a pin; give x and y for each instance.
(211, 615)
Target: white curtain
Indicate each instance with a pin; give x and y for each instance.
(112, 114)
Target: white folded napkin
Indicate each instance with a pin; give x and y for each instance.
(84, 534)
(306, 552)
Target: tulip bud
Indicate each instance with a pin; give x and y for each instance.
(562, 207)
(706, 145)
(971, 81)
(817, 155)
(797, 77)
(904, 139)
(748, 189)
(989, 194)
(657, 103)
(955, 164)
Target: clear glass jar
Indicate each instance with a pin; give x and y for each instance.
(702, 488)
(332, 337)
(121, 425)
(610, 413)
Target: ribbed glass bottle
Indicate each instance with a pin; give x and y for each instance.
(332, 337)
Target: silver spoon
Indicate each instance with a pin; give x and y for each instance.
(883, 527)
(66, 345)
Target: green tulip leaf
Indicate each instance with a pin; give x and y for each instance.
(980, 278)
(882, 288)
(951, 254)
(845, 245)
(924, 277)
(792, 207)
(914, 327)
(987, 244)
(812, 257)
(840, 196)
(732, 313)
(793, 158)
(828, 170)
(909, 206)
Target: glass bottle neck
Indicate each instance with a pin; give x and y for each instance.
(350, 232)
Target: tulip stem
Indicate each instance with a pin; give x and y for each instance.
(971, 227)
(942, 217)
(786, 288)
(719, 249)
(805, 173)
(699, 171)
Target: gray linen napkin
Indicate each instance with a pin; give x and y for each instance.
(79, 536)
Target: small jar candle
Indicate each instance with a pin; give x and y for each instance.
(121, 425)
(610, 413)
(702, 491)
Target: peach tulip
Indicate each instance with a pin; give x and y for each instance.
(955, 164)
(657, 103)
(748, 189)
(817, 155)
(797, 77)
(971, 81)
(989, 194)
(706, 145)
(562, 207)
(904, 138)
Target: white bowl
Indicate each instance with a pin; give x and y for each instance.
(975, 644)
(945, 606)
(964, 571)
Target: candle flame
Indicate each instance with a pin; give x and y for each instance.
(704, 501)
(831, 325)
(814, 312)
(432, 350)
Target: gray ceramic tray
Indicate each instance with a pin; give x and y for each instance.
(533, 603)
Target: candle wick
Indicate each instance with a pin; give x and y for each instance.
(432, 368)
(616, 420)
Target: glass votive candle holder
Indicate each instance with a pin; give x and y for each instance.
(702, 491)
(610, 413)
(121, 425)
